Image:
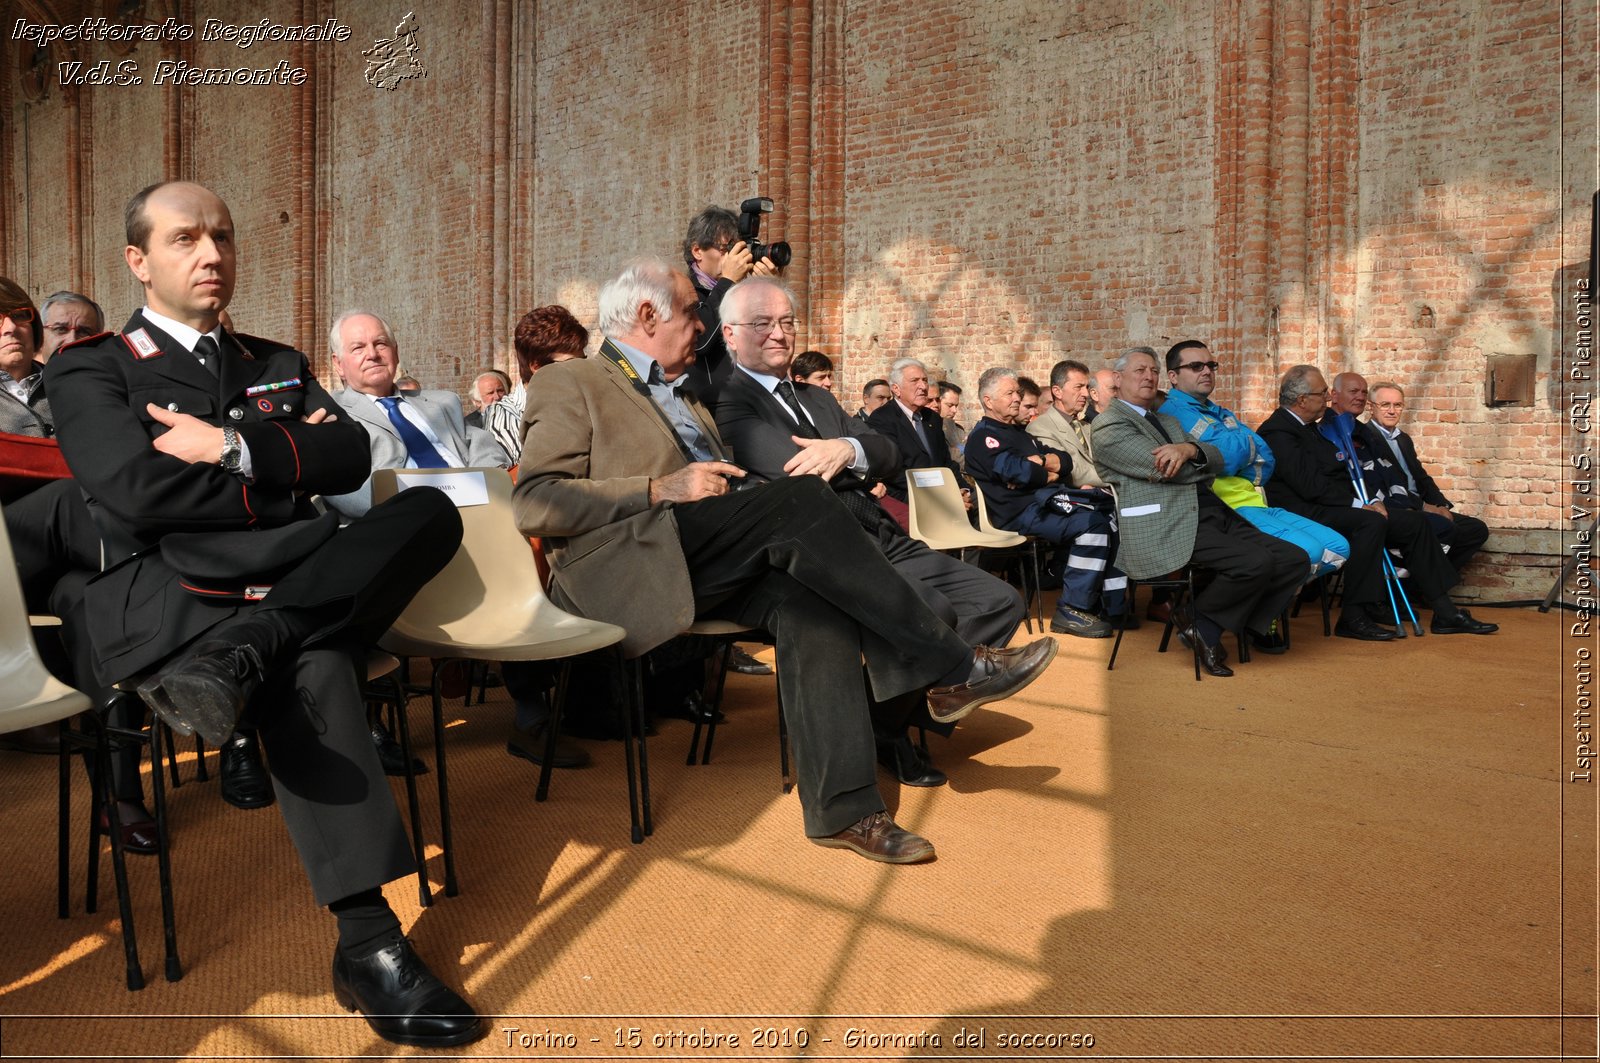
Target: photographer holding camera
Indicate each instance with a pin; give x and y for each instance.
(720, 250)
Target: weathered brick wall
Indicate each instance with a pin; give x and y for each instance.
(1400, 189)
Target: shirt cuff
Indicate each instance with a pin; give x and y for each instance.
(859, 463)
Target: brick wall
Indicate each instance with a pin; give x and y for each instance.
(1399, 189)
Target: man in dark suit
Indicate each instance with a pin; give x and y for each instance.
(1463, 534)
(1313, 479)
(196, 451)
(778, 428)
(916, 430)
(1169, 517)
(647, 525)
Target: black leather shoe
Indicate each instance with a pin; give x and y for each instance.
(1362, 628)
(138, 832)
(529, 745)
(877, 837)
(206, 692)
(391, 756)
(402, 1000)
(1272, 644)
(994, 676)
(693, 708)
(1462, 624)
(245, 783)
(1214, 659)
(910, 766)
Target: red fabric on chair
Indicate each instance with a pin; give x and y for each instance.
(27, 462)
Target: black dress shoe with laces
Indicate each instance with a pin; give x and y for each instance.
(1363, 629)
(1461, 624)
(1213, 657)
(401, 999)
(206, 692)
(901, 756)
(245, 783)
(391, 756)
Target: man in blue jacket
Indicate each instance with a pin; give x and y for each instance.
(1191, 379)
(1028, 487)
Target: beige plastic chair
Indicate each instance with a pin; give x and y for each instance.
(30, 696)
(488, 604)
(939, 517)
(1033, 592)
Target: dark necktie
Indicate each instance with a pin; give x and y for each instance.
(922, 435)
(805, 429)
(1150, 415)
(418, 448)
(208, 354)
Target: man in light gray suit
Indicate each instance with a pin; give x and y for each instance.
(425, 430)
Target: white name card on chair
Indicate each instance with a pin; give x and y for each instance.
(927, 477)
(464, 488)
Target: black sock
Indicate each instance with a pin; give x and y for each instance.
(1443, 608)
(1210, 631)
(365, 921)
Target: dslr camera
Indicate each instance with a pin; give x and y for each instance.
(750, 212)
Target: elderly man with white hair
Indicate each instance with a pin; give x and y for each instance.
(649, 525)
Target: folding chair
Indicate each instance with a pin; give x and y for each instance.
(939, 517)
(1032, 589)
(489, 604)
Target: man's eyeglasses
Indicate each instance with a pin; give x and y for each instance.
(1195, 367)
(1390, 405)
(22, 315)
(765, 325)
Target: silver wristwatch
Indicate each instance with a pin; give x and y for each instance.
(232, 452)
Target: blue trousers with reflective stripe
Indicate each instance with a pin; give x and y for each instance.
(1326, 548)
(1086, 572)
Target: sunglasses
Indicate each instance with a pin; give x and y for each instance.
(1195, 367)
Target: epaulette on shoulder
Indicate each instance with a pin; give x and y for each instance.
(86, 341)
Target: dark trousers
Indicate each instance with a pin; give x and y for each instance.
(1091, 545)
(310, 713)
(1256, 574)
(788, 557)
(1464, 536)
(982, 610)
(1370, 533)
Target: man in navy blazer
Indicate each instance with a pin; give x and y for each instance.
(916, 430)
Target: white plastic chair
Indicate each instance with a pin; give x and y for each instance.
(488, 604)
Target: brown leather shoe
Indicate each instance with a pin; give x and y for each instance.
(877, 837)
(993, 677)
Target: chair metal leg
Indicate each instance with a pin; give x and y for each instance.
(158, 796)
(447, 837)
(104, 796)
(63, 820)
(400, 720)
(200, 772)
(725, 660)
(633, 716)
(783, 745)
(558, 713)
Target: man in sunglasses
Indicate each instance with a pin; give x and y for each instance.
(1248, 463)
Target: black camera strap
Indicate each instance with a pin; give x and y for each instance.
(618, 359)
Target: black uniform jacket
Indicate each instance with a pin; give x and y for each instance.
(149, 506)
